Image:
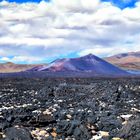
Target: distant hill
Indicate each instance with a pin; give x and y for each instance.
(129, 61)
(86, 64)
(10, 67)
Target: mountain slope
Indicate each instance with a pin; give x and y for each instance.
(126, 60)
(88, 64)
(10, 67)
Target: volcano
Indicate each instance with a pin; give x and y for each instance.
(87, 64)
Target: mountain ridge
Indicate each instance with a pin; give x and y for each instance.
(125, 61)
(10, 67)
(130, 60)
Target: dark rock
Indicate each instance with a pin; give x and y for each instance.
(79, 109)
(17, 134)
(1, 136)
(71, 129)
(77, 132)
(109, 123)
(58, 130)
(49, 138)
(85, 133)
(42, 120)
(91, 120)
(131, 130)
(9, 119)
(4, 125)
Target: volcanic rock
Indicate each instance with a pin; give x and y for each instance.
(17, 133)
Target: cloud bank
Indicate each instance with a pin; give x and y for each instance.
(35, 32)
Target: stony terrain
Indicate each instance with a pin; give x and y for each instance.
(69, 109)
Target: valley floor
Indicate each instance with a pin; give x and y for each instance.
(69, 109)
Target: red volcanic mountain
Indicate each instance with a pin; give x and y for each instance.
(126, 60)
(88, 64)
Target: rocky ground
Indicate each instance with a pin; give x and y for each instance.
(70, 109)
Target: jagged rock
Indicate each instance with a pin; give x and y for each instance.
(42, 120)
(130, 131)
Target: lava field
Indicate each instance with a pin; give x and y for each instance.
(69, 109)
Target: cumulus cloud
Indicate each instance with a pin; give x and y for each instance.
(34, 31)
(104, 53)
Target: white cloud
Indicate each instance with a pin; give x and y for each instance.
(30, 41)
(5, 59)
(21, 59)
(108, 51)
(97, 51)
(60, 27)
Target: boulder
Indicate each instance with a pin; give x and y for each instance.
(14, 133)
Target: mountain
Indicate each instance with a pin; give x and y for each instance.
(130, 61)
(10, 67)
(86, 64)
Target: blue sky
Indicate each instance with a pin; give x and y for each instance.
(123, 3)
(34, 31)
(119, 3)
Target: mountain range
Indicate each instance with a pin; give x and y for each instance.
(89, 63)
(129, 61)
(10, 67)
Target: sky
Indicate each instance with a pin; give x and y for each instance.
(34, 31)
